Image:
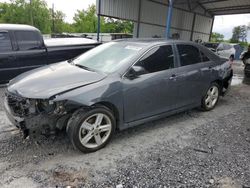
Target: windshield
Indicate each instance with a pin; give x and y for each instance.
(108, 57)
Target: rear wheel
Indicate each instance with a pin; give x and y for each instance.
(91, 130)
(211, 98)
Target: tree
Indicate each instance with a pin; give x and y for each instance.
(217, 37)
(85, 21)
(118, 26)
(37, 13)
(22, 12)
(239, 34)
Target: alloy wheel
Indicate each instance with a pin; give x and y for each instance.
(212, 97)
(95, 130)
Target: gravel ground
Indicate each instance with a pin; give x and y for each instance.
(191, 149)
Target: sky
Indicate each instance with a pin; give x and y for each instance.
(69, 7)
(222, 24)
(225, 24)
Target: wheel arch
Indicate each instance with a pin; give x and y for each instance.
(220, 83)
(111, 107)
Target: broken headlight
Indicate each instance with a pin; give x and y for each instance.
(45, 106)
(49, 106)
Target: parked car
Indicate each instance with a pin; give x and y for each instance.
(246, 61)
(114, 86)
(22, 48)
(222, 49)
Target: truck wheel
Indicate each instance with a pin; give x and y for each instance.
(91, 130)
(211, 97)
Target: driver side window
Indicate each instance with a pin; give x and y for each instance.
(157, 59)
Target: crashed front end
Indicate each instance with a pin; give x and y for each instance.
(37, 116)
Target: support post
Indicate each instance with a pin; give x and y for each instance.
(98, 20)
(138, 20)
(53, 18)
(31, 13)
(193, 24)
(211, 29)
(169, 18)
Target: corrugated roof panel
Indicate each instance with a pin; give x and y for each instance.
(153, 13)
(182, 19)
(227, 7)
(202, 24)
(124, 9)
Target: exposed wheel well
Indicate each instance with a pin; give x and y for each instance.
(111, 107)
(220, 83)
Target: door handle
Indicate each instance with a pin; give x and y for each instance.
(11, 57)
(172, 77)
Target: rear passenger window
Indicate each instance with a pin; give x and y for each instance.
(158, 59)
(188, 54)
(5, 43)
(27, 40)
(204, 57)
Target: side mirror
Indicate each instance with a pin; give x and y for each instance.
(135, 72)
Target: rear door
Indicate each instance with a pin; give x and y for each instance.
(188, 76)
(7, 57)
(31, 51)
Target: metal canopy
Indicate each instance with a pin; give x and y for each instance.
(184, 19)
(218, 7)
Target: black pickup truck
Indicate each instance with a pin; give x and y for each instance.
(23, 48)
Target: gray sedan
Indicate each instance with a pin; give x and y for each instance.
(114, 86)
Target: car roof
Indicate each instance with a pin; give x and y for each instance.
(17, 27)
(154, 41)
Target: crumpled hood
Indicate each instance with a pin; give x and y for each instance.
(47, 81)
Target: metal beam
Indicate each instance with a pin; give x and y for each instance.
(230, 8)
(169, 18)
(206, 11)
(99, 21)
(192, 30)
(211, 29)
(211, 1)
(138, 20)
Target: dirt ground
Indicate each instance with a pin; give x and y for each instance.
(190, 149)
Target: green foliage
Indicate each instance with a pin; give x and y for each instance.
(86, 22)
(239, 34)
(22, 12)
(117, 26)
(217, 37)
(37, 13)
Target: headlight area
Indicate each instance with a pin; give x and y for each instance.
(51, 107)
(49, 116)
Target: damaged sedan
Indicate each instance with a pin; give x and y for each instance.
(114, 86)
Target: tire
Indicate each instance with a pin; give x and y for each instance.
(210, 100)
(91, 130)
(231, 57)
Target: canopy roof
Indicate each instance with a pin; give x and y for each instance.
(218, 7)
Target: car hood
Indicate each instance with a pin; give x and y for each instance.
(50, 80)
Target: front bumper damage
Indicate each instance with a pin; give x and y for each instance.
(32, 121)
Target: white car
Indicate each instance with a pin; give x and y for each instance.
(222, 49)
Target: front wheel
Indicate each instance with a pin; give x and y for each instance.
(211, 98)
(91, 130)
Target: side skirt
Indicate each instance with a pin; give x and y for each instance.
(159, 116)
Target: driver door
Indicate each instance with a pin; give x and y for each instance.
(153, 90)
